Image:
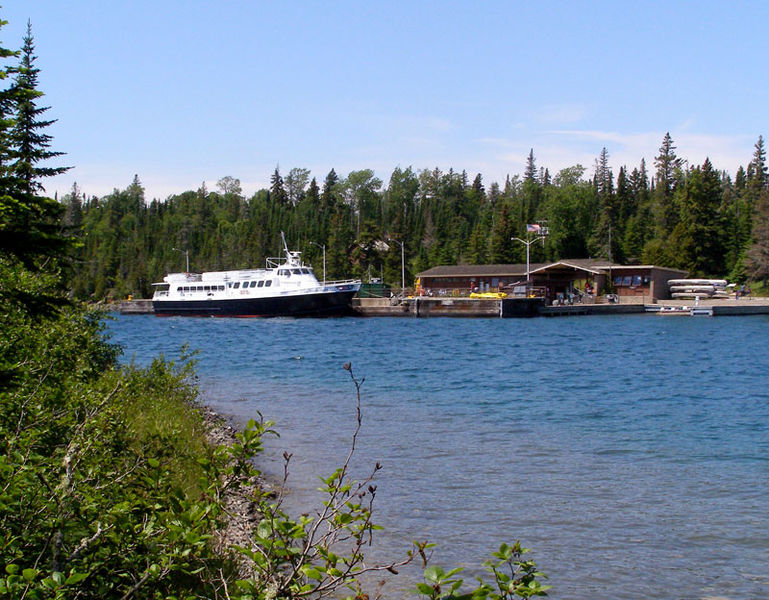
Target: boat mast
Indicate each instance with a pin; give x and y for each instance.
(285, 246)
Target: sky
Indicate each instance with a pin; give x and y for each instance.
(181, 92)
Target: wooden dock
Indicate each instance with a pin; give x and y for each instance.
(425, 307)
(535, 307)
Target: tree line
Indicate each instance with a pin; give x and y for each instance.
(692, 217)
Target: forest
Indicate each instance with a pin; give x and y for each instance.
(691, 217)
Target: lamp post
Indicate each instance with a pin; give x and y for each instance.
(528, 242)
(403, 263)
(187, 255)
(322, 247)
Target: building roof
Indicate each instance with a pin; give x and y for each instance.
(590, 265)
(478, 270)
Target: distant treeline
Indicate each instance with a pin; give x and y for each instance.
(689, 217)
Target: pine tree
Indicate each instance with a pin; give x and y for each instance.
(758, 178)
(605, 238)
(6, 120)
(530, 174)
(31, 145)
(29, 222)
(329, 195)
(277, 189)
(699, 235)
(757, 258)
(668, 165)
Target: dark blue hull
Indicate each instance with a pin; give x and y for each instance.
(305, 305)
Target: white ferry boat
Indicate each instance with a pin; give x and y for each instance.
(286, 287)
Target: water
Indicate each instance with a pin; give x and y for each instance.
(630, 453)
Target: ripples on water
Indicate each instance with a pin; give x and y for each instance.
(631, 453)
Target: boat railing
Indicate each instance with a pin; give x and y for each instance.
(341, 282)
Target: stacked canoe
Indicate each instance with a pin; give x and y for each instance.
(698, 288)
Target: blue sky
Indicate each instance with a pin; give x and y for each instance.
(180, 92)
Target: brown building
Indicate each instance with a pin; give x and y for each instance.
(594, 277)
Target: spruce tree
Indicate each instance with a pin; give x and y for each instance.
(277, 189)
(31, 145)
(6, 119)
(758, 178)
(668, 166)
(699, 236)
(29, 222)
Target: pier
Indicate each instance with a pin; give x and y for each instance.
(426, 307)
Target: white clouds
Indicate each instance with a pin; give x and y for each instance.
(558, 149)
(560, 114)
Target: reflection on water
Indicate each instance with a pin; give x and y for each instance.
(631, 453)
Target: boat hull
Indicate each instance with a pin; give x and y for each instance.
(327, 304)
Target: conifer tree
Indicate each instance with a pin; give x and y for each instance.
(277, 189)
(6, 119)
(758, 178)
(699, 240)
(757, 258)
(604, 241)
(31, 145)
(29, 222)
(668, 165)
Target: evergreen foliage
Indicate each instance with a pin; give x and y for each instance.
(691, 218)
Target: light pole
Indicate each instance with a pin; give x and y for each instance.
(187, 255)
(322, 247)
(541, 234)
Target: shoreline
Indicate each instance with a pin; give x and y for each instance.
(240, 516)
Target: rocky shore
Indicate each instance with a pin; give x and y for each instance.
(241, 516)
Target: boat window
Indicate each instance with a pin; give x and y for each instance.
(296, 271)
(283, 272)
(618, 280)
(221, 287)
(627, 279)
(306, 271)
(236, 285)
(636, 280)
(268, 283)
(253, 284)
(261, 284)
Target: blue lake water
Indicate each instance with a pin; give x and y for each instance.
(630, 453)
